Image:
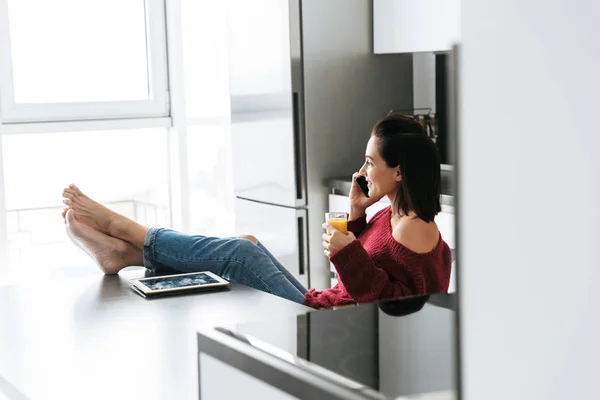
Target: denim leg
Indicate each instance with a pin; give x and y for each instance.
(284, 270)
(237, 260)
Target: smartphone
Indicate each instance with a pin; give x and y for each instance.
(362, 183)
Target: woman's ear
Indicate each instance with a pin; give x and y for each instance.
(398, 174)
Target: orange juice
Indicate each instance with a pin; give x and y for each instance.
(341, 224)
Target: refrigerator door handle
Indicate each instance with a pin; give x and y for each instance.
(298, 146)
(302, 243)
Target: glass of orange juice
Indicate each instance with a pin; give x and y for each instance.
(339, 220)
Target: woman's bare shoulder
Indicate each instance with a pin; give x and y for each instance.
(416, 235)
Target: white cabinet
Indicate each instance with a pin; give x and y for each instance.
(413, 26)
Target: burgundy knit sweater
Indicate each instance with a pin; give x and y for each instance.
(376, 266)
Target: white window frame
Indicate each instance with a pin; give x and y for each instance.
(156, 106)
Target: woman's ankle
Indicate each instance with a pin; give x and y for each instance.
(130, 231)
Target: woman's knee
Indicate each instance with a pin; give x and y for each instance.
(249, 237)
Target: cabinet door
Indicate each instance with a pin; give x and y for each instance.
(411, 26)
(265, 105)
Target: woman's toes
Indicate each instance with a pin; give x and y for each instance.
(73, 187)
(69, 192)
(67, 202)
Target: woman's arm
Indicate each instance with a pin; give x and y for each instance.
(361, 277)
(357, 213)
(357, 225)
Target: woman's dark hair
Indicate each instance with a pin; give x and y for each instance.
(402, 141)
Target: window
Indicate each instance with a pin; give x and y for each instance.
(127, 170)
(75, 60)
(84, 99)
(89, 79)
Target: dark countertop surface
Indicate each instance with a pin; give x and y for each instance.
(77, 334)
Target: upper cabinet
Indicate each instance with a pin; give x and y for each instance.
(412, 26)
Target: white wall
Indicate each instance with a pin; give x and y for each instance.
(529, 192)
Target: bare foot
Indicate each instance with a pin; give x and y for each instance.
(88, 211)
(111, 254)
(94, 215)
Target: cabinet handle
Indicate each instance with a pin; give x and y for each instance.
(298, 162)
(301, 246)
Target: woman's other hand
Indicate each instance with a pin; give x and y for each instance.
(334, 240)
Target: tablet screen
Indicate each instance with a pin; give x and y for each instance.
(178, 281)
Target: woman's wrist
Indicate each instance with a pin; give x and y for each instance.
(356, 213)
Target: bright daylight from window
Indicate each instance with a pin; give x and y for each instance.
(61, 59)
(81, 103)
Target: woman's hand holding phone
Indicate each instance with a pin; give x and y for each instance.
(358, 201)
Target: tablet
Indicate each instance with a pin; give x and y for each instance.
(176, 284)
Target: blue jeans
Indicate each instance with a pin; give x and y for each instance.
(237, 260)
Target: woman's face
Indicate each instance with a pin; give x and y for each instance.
(381, 179)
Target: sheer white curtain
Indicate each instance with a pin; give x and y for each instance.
(206, 71)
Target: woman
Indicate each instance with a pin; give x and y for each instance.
(400, 252)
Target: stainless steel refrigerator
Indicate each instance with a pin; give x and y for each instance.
(305, 90)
